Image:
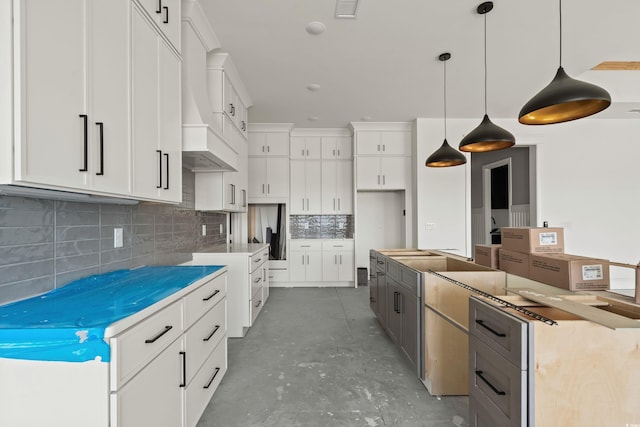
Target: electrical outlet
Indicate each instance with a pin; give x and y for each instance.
(204, 229)
(118, 238)
(430, 226)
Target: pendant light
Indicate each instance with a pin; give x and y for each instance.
(445, 155)
(564, 99)
(486, 136)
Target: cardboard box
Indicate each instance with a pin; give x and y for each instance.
(514, 262)
(572, 272)
(533, 240)
(487, 255)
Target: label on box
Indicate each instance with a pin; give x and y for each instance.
(548, 238)
(592, 272)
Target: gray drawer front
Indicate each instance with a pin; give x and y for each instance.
(504, 333)
(411, 279)
(393, 270)
(479, 416)
(496, 385)
(381, 262)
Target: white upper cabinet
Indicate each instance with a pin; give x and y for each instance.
(156, 115)
(383, 159)
(269, 144)
(337, 147)
(305, 147)
(71, 95)
(306, 187)
(390, 143)
(337, 187)
(166, 15)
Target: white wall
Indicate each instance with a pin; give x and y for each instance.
(443, 195)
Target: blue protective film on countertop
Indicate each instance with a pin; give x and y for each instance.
(68, 324)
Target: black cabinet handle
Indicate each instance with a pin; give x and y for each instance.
(231, 109)
(493, 331)
(157, 337)
(380, 262)
(257, 280)
(166, 15)
(494, 388)
(159, 168)
(216, 292)
(101, 133)
(159, 9)
(399, 303)
(258, 304)
(183, 355)
(395, 302)
(166, 156)
(215, 373)
(86, 142)
(244, 125)
(212, 333)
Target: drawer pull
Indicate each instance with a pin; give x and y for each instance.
(380, 262)
(212, 333)
(157, 337)
(379, 273)
(257, 280)
(215, 374)
(493, 331)
(258, 304)
(183, 355)
(495, 390)
(258, 260)
(216, 292)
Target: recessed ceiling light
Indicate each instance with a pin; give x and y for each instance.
(315, 28)
(313, 87)
(313, 118)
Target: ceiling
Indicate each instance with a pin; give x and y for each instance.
(383, 65)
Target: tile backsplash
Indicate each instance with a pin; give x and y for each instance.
(321, 226)
(45, 244)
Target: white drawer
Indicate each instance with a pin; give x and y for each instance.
(278, 275)
(135, 347)
(256, 305)
(306, 245)
(497, 385)
(256, 260)
(204, 336)
(201, 389)
(503, 332)
(337, 245)
(202, 299)
(256, 280)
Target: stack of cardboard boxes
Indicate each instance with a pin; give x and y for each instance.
(538, 253)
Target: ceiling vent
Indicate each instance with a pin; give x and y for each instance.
(346, 8)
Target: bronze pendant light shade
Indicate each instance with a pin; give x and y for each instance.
(564, 99)
(445, 155)
(487, 136)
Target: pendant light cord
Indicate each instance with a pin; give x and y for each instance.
(445, 99)
(560, 15)
(485, 63)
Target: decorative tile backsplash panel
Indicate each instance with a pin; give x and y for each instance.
(321, 226)
(46, 244)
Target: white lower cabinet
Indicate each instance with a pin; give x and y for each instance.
(337, 261)
(322, 261)
(305, 261)
(248, 266)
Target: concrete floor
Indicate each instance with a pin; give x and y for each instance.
(317, 357)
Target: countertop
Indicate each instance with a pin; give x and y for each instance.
(233, 248)
(73, 323)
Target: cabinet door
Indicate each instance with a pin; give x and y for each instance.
(395, 143)
(314, 186)
(346, 264)
(278, 177)
(368, 173)
(298, 147)
(314, 266)
(298, 198)
(329, 184)
(344, 187)
(409, 309)
(153, 396)
(147, 159)
(368, 142)
(170, 123)
(298, 266)
(394, 172)
(277, 144)
(382, 297)
(53, 92)
(110, 147)
(394, 314)
(328, 145)
(344, 148)
(331, 266)
(257, 143)
(257, 176)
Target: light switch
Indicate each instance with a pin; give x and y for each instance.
(117, 237)
(430, 226)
